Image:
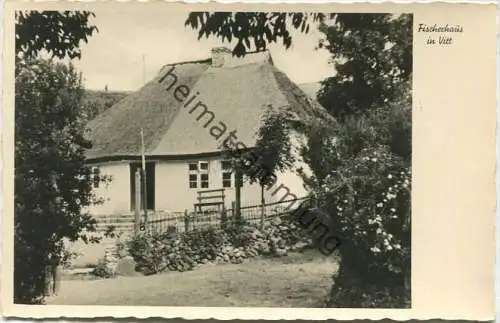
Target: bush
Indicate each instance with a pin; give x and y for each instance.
(104, 269)
(370, 199)
(149, 252)
(154, 253)
(362, 173)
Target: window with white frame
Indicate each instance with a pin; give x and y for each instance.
(198, 175)
(226, 173)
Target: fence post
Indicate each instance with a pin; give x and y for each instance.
(137, 202)
(49, 280)
(233, 206)
(57, 278)
(186, 221)
(262, 207)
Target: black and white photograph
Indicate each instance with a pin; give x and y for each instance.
(216, 158)
(247, 159)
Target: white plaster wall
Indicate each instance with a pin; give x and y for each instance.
(174, 194)
(116, 194)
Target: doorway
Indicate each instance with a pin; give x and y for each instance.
(150, 185)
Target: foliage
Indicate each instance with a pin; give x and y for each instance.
(363, 171)
(371, 197)
(387, 125)
(272, 151)
(371, 296)
(67, 257)
(52, 184)
(259, 28)
(362, 167)
(148, 251)
(371, 53)
(154, 252)
(372, 57)
(57, 32)
(104, 269)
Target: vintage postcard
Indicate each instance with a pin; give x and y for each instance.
(248, 161)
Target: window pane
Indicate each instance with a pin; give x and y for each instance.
(204, 166)
(204, 184)
(192, 185)
(193, 166)
(204, 177)
(226, 183)
(192, 177)
(226, 165)
(226, 175)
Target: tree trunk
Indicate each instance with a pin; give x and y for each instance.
(262, 208)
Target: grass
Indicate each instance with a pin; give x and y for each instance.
(297, 280)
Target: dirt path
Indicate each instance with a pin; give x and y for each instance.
(292, 281)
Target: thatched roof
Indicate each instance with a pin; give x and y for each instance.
(237, 93)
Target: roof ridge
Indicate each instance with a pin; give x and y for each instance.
(199, 61)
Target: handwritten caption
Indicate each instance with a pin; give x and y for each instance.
(440, 34)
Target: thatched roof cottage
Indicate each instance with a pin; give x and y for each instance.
(187, 111)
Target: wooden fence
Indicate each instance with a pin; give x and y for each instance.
(161, 222)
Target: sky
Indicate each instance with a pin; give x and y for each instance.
(133, 44)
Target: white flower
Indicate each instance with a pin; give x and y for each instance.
(389, 236)
(397, 246)
(375, 249)
(378, 231)
(389, 248)
(389, 176)
(386, 242)
(393, 210)
(380, 204)
(374, 159)
(345, 201)
(390, 196)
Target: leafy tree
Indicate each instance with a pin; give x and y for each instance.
(364, 168)
(371, 53)
(372, 56)
(52, 184)
(272, 152)
(251, 30)
(363, 165)
(58, 33)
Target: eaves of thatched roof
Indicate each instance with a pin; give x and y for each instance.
(238, 94)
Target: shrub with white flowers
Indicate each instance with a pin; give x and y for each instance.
(370, 194)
